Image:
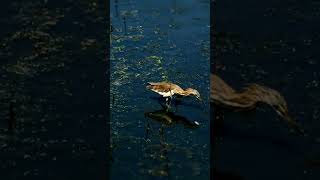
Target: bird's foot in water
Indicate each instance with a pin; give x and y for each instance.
(166, 107)
(168, 104)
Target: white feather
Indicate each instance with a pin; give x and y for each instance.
(165, 94)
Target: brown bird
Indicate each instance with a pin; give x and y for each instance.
(167, 90)
(221, 94)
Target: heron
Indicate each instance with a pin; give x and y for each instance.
(168, 90)
(222, 95)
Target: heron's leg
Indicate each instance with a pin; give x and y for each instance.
(170, 100)
(167, 102)
(164, 107)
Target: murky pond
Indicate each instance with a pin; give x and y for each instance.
(159, 41)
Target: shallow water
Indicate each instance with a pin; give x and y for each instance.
(157, 41)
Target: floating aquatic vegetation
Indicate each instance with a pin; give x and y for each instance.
(137, 37)
(136, 29)
(131, 14)
(117, 49)
(88, 43)
(21, 68)
(157, 59)
(121, 38)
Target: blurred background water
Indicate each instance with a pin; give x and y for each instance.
(53, 74)
(156, 41)
(272, 43)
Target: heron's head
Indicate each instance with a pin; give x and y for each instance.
(274, 99)
(278, 103)
(270, 97)
(193, 92)
(282, 110)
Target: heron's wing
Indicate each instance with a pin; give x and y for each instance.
(162, 86)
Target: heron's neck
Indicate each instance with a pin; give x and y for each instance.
(184, 92)
(247, 99)
(257, 93)
(240, 100)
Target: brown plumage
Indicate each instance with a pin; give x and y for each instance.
(167, 89)
(221, 94)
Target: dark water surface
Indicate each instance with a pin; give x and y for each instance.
(273, 43)
(157, 41)
(53, 72)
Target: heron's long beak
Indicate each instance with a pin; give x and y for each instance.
(291, 122)
(201, 100)
(294, 125)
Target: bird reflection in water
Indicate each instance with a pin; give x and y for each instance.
(166, 119)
